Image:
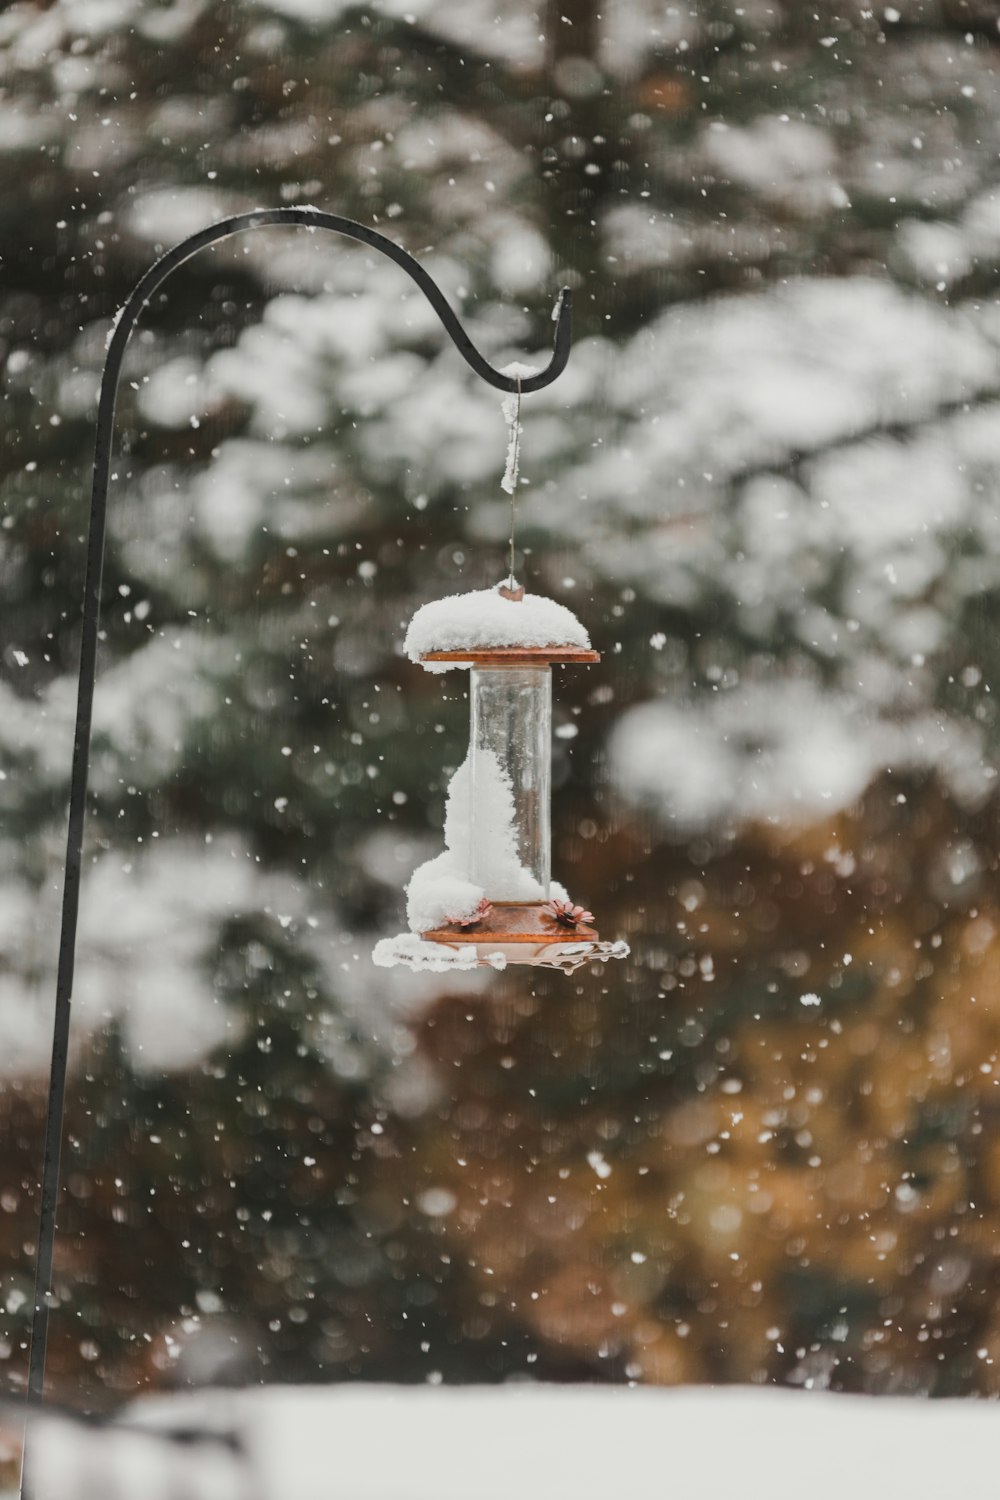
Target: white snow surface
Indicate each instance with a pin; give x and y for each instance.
(410, 948)
(535, 1442)
(436, 958)
(483, 617)
(440, 892)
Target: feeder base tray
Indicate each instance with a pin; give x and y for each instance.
(410, 950)
(518, 932)
(511, 922)
(513, 933)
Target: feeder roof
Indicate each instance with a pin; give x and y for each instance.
(485, 626)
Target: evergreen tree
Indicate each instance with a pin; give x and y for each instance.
(760, 1151)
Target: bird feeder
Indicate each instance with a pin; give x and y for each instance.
(490, 898)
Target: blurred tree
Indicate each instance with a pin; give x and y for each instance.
(765, 482)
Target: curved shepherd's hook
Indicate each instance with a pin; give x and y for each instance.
(310, 218)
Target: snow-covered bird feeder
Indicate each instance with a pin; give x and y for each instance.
(489, 898)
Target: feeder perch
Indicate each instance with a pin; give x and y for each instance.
(489, 899)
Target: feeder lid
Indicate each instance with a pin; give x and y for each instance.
(484, 627)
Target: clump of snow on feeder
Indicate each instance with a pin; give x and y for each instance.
(572, 954)
(410, 948)
(484, 618)
(442, 891)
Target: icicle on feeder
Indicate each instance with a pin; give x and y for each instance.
(489, 899)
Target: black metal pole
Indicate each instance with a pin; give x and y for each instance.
(310, 218)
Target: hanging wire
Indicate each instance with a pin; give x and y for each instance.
(515, 468)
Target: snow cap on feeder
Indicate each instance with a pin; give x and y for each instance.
(453, 632)
(489, 897)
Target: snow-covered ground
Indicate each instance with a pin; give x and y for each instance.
(530, 1442)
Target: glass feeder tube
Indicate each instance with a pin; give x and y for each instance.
(511, 773)
(508, 822)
